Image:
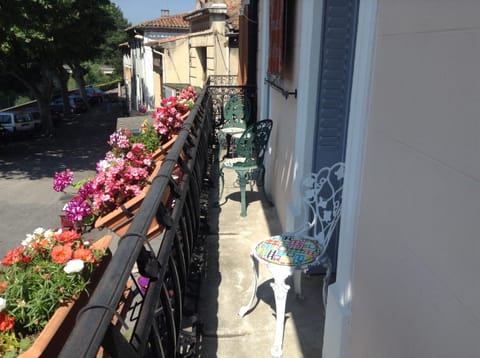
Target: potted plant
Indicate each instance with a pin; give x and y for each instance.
(112, 197)
(44, 278)
(121, 176)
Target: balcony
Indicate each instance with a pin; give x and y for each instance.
(199, 269)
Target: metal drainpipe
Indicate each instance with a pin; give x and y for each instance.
(162, 55)
(228, 56)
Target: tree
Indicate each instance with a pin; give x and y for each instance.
(38, 37)
(27, 48)
(109, 50)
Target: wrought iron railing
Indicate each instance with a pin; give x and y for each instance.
(221, 89)
(150, 321)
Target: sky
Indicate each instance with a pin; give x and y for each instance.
(137, 11)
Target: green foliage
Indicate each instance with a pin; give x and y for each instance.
(94, 73)
(11, 346)
(148, 137)
(71, 84)
(48, 269)
(109, 52)
(60, 32)
(22, 100)
(110, 84)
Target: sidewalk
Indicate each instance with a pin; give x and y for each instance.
(228, 282)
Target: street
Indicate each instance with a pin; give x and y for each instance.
(27, 167)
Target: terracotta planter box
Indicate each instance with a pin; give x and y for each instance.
(160, 153)
(119, 220)
(53, 336)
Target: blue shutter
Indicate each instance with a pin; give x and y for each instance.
(335, 82)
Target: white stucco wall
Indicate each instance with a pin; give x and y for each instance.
(291, 141)
(176, 61)
(415, 289)
(149, 89)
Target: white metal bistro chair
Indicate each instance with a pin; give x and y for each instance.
(291, 253)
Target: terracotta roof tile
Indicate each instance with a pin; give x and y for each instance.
(167, 22)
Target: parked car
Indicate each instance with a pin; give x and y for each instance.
(94, 95)
(17, 123)
(77, 104)
(37, 119)
(4, 137)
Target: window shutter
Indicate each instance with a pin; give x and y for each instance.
(338, 44)
(276, 50)
(336, 70)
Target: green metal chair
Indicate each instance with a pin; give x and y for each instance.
(248, 164)
(236, 115)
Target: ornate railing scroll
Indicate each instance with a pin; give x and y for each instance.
(221, 89)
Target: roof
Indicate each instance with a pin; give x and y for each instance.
(173, 22)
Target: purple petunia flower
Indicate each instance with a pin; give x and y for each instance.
(62, 179)
(77, 209)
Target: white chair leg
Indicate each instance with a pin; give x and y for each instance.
(327, 263)
(243, 310)
(297, 283)
(280, 288)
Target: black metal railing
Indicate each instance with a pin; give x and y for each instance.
(155, 314)
(221, 89)
(151, 319)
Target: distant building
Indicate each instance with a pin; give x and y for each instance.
(172, 51)
(142, 68)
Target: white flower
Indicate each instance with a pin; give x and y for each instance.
(74, 266)
(28, 239)
(39, 231)
(49, 234)
(3, 303)
(103, 165)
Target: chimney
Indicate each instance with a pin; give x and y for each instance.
(164, 13)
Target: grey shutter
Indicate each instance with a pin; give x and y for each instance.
(336, 69)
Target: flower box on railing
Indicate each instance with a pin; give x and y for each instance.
(119, 220)
(49, 341)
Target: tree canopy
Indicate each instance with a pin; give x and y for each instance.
(38, 37)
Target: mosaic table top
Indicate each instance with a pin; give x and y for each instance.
(288, 251)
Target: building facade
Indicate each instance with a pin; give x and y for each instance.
(390, 88)
(172, 51)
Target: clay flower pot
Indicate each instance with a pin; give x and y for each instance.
(54, 335)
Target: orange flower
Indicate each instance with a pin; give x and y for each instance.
(67, 236)
(83, 254)
(6, 322)
(3, 287)
(44, 244)
(13, 256)
(61, 254)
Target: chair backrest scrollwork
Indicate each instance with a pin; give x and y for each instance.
(237, 111)
(322, 197)
(254, 140)
(262, 134)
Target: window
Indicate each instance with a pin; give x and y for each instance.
(282, 35)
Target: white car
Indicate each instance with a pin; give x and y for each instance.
(17, 123)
